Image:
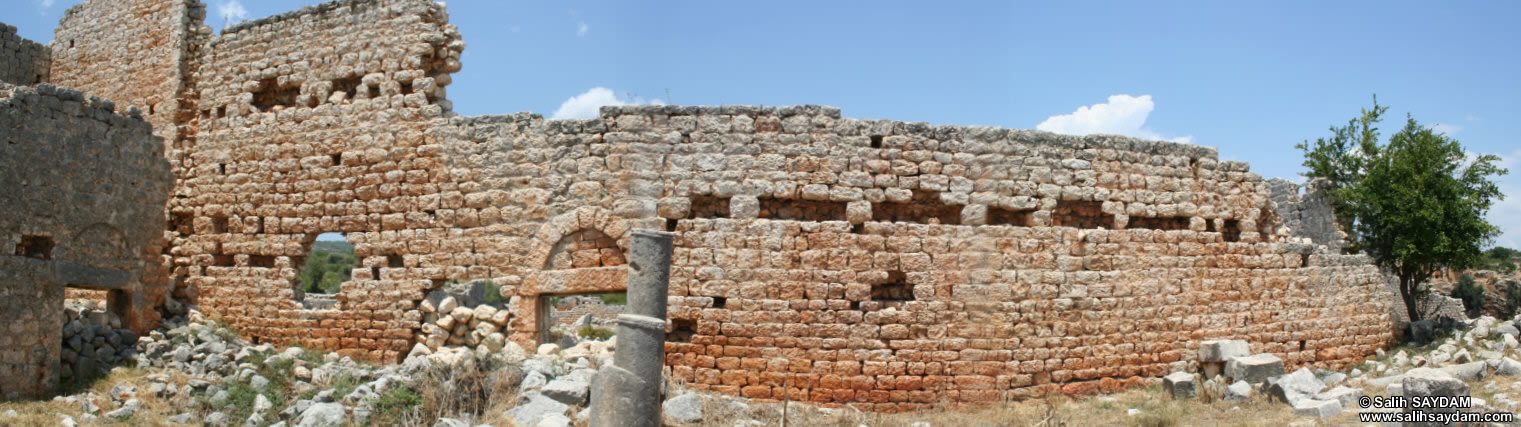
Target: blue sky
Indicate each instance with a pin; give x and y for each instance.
(1251, 78)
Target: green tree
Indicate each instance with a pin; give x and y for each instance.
(1341, 161)
(1416, 205)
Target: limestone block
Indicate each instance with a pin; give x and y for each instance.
(1255, 368)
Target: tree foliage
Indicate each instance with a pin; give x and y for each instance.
(1416, 204)
(326, 270)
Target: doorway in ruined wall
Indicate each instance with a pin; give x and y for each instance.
(580, 288)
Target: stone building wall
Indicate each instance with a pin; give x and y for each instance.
(133, 52)
(870, 262)
(81, 203)
(312, 122)
(22, 61)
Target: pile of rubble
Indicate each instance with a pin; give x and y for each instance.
(447, 323)
(93, 340)
(1481, 348)
(212, 377)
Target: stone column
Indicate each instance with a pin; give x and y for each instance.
(628, 392)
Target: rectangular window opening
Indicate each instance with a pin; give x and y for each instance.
(39, 247)
(1159, 223)
(924, 208)
(801, 210)
(1017, 218)
(1081, 214)
(1232, 232)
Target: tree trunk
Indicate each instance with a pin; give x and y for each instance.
(1407, 291)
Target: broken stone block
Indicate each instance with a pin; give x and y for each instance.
(1472, 371)
(1317, 408)
(1180, 385)
(1255, 368)
(1347, 396)
(1222, 350)
(1296, 386)
(1428, 382)
(1238, 392)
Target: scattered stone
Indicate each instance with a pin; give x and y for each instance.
(1506, 366)
(686, 408)
(1238, 392)
(1428, 382)
(450, 422)
(535, 408)
(1296, 386)
(216, 419)
(262, 403)
(1472, 371)
(183, 418)
(1179, 385)
(1255, 368)
(1317, 408)
(321, 414)
(1347, 396)
(554, 420)
(548, 349)
(567, 390)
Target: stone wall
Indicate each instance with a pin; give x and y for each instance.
(876, 263)
(1308, 215)
(22, 61)
(81, 203)
(133, 52)
(312, 122)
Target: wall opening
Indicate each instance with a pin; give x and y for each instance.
(1232, 231)
(465, 312)
(1017, 218)
(924, 208)
(572, 318)
(1081, 214)
(1159, 223)
(269, 95)
(894, 289)
(876, 141)
(93, 338)
(709, 207)
(682, 330)
(39, 247)
(329, 263)
(800, 210)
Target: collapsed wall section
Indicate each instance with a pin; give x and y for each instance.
(81, 204)
(22, 61)
(314, 122)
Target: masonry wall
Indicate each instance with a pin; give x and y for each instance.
(876, 263)
(313, 122)
(133, 52)
(81, 201)
(22, 61)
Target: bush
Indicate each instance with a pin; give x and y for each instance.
(590, 331)
(1471, 293)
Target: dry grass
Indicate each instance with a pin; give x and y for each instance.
(1156, 409)
(154, 411)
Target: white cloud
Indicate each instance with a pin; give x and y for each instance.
(585, 105)
(1447, 128)
(1122, 115)
(46, 3)
(581, 29)
(231, 12)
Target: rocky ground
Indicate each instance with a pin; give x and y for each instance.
(195, 372)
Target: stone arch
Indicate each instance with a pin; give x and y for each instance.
(98, 242)
(531, 309)
(581, 219)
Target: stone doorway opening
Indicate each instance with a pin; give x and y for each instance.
(566, 320)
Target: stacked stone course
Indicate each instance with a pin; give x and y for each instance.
(876, 263)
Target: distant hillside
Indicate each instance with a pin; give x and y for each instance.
(333, 246)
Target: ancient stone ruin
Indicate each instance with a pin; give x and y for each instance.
(883, 264)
